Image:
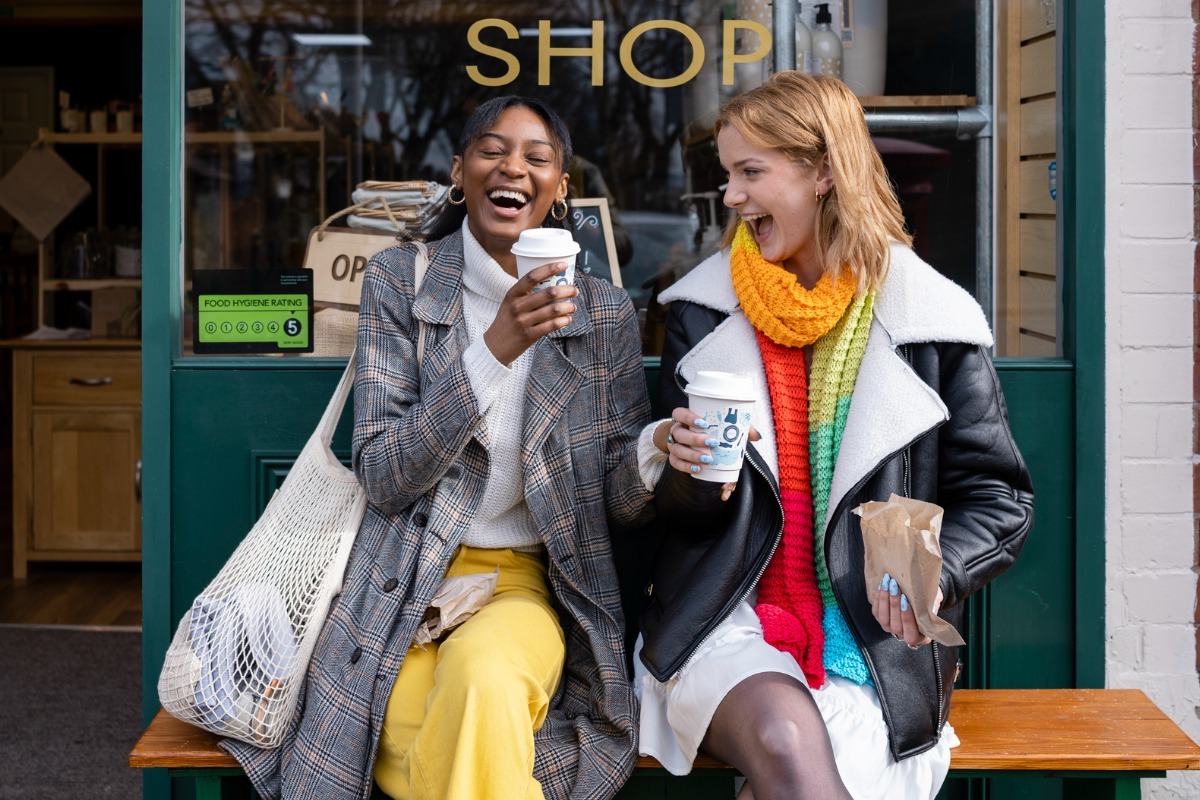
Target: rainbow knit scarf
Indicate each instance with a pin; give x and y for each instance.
(795, 599)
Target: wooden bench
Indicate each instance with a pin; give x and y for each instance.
(1102, 741)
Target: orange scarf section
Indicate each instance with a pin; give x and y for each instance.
(775, 302)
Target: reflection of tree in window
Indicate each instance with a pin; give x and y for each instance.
(390, 110)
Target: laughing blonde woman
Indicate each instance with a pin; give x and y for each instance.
(761, 645)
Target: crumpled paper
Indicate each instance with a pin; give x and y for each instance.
(901, 538)
(455, 600)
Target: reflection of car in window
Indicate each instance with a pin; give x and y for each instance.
(664, 250)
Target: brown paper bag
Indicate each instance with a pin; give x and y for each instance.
(455, 600)
(901, 538)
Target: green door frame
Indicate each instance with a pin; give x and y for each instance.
(1081, 237)
(162, 238)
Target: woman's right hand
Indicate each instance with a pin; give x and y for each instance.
(526, 316)
(687, 449)
(688, 446)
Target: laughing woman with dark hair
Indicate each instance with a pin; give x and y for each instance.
(508, 449)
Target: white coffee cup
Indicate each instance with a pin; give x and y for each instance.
(725, 400)
(538, 246)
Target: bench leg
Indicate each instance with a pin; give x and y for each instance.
(1119, 787)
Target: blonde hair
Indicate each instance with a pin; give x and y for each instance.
(811, 118)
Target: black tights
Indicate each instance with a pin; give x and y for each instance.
(769, 728)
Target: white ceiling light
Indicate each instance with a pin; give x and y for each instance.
(332, 39)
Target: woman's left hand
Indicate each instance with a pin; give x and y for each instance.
(894, 614)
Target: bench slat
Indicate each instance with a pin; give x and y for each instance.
(1066, 729)
(172, 743)
(1000, 729)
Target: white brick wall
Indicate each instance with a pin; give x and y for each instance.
(1149, 349)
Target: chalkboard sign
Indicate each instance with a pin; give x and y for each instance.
(594, 232)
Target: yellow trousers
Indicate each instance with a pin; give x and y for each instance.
(461, 716)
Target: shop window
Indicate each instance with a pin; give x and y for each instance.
(291, 105)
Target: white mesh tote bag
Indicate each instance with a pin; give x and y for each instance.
(238, 658)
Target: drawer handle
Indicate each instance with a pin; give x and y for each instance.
(137, 480)
(90, 381)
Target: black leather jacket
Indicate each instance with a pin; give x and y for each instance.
(713, 553)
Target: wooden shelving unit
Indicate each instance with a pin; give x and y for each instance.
(225, 141)
(47, 283)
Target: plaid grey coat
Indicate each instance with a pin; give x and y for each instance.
(421, 452)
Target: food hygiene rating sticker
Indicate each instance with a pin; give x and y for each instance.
(253, 311)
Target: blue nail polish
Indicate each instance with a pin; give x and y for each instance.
(882, 582)
(904, 602)
(893, 587)
(711, 443)
(694, 468)
(699, 423)
(706, 459)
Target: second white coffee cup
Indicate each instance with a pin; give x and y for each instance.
(538, 246)
(725, 400)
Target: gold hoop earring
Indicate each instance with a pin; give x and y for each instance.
(554, 207)
(462, 197)
(819, 197)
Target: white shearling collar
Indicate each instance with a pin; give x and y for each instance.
(915, 304)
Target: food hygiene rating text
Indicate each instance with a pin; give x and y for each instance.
(596, 51)
(208, 303)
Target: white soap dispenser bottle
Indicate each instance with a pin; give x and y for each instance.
(804, 45)
(826, 45)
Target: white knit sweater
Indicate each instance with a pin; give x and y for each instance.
(503, 519)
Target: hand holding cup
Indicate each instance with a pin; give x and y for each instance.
(541, 300)
(527, 314)
(688, 441)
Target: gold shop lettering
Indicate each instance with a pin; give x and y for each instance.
(595, 51)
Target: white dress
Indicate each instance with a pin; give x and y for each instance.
(676, 714)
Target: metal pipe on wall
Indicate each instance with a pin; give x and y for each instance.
(783, 34)
(984, 228)
(964, 123)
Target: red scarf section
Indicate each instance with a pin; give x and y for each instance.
(789, 601)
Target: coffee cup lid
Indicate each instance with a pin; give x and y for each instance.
(545, 243)
(722, 386)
